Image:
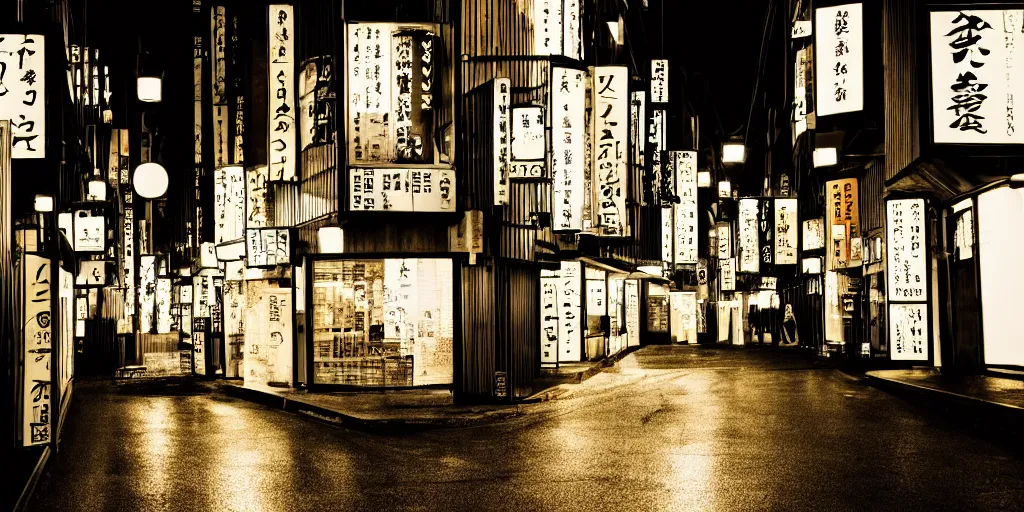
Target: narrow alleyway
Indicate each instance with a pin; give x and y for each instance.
(670, 428)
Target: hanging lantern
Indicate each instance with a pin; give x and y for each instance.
(150, 180)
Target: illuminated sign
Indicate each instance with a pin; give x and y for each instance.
(568, 118)
(281, 118)
(839, 59)
(611, 136)
(977, 64)
(402, 190)
(22, 57)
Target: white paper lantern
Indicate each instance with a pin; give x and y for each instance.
(150, 180)
(149, 89)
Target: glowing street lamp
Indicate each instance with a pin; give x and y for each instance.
(825, 157)
(149, 89)
(44, 204)
(732, 153)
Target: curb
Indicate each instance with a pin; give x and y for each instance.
(376, 426)
(552, 383)
(947, 399)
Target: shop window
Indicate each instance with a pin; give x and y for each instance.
(1000, 215)
(382, 323)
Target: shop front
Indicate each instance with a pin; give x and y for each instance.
(379, 322)
(985, 279)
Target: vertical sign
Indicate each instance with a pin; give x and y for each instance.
(723, 236)
(549, 324)
(197, 134)
(668, 179)
(843, 224)
(502, 157)
(307, 104)
(128, 254)
(256, 197)
(786, 225)
(766, 231)
(281, 86)
(229, 188)
(572, 36)
(656, 145)
(667, 235)
(163, 306)
(729, 274)
(659, 81)
(548, 27)
(800, 94)
(38, 333)
(638, 137)
(839, 76)
(219, 86)
(611, 132)
(568, 118)
(977, 66)
(558, 28)
(814, 234)
(239, 123)
(23, 84)
(369, 93)
(749, 255)
(686, 210)
(632, 310)
(908, 332)
(570, 309)
(906, 266)
(147, 292)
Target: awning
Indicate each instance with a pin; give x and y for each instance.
(609, 266)
(648, 277)
(930, 178)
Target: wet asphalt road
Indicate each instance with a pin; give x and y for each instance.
(671, 428)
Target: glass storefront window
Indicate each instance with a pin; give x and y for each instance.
(382, 323)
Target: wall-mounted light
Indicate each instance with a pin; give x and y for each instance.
(703, 179)
(97, 190)
(150, 180)
(732, 152)
(149, 89)
(824, 157)
(44, 203)
(332, 240)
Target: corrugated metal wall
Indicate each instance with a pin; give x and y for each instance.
(501, 328)
(477, 353)
(872, 203)
(902, 125)
(498, 39)
(518, 323)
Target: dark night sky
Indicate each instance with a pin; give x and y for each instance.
(718, 40)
